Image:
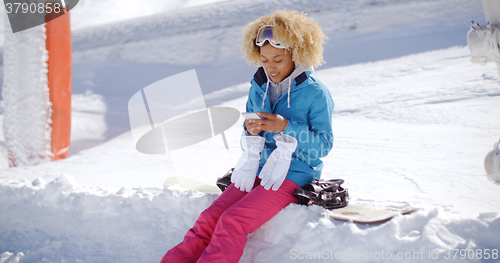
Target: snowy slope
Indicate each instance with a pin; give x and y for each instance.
(409, 131)
(116, 60)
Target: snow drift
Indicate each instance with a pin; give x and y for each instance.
(60, 221)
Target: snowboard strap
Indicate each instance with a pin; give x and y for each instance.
(224, 181)
(326, 193)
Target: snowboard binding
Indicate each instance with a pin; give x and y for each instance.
(224, 181)
(326, 193)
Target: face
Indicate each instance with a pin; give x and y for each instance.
(277, 63)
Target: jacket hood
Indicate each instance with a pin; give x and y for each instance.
(299, 75)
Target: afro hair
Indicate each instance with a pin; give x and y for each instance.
(303, 37)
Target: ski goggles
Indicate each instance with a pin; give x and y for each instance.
(266, 34)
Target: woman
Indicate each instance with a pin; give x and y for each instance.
(281, 150)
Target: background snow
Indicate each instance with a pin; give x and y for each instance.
(117, 59)
(409, 131)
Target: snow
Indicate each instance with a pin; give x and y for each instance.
(25, 92)
(118, 59)
(411, 130)
(60, 221)
(94, 13)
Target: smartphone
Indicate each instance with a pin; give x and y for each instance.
(251, 116)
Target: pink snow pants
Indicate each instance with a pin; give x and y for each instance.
(220, 233)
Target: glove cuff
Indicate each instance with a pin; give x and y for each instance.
(253, 144)
(285, 142)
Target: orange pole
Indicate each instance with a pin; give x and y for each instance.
(58, 45)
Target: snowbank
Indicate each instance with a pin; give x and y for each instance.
(410, 131)
(60, 221)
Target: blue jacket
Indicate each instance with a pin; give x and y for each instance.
(309, 121)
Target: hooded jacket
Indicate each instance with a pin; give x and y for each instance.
(308, 107)
(276, 90)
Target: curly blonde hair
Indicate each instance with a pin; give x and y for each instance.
(303, 37)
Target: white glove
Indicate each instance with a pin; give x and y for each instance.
(274, 171)
(245, 172)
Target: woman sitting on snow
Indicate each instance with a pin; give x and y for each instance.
(282, 150)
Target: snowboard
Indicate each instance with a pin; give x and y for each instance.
(363, 214)
(192, 184)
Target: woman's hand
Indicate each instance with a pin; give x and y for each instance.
(253, 127)
(271, 123)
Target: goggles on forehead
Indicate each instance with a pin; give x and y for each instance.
(266, 33)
